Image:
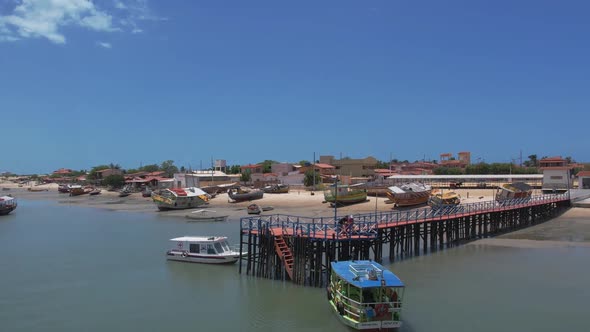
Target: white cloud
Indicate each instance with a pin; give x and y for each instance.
(120, 5)
(104, 44)
(47, 18)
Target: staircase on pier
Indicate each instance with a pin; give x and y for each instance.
(284, 253)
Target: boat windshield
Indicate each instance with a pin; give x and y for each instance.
(225, 246)
(218, 247)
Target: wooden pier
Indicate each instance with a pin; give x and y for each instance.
(300, 249)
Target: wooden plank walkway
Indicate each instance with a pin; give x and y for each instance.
(367, 230)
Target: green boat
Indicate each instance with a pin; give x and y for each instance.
(345, 194)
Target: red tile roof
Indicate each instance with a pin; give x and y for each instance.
(584, 173)
(324, 166)
(63, 171)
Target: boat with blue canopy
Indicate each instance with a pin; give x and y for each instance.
(365, 295)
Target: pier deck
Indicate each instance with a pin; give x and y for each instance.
(313, 243)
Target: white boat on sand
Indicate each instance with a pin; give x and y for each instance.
(203, 249)
(206, 215)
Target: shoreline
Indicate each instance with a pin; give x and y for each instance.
(571, 229)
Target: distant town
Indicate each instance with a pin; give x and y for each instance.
(557, 173)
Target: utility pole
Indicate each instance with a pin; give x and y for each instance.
(313, 169)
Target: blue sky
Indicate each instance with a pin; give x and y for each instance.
(84, 83)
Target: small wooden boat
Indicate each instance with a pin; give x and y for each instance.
(513, 190)
(276, 189)
(124, 193)
(447, 199)
(7, 205)
(180, 198)
(63, 188)
(197, 249)
(146, 193)
(254, 209)
(94, 192)
(267, 208)
(206, 215)
(409, 194)
(345, 194)
(37, 189)
(77, 190)
(365, 296)
(240, 195)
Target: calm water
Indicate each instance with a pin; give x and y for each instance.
(68, 268)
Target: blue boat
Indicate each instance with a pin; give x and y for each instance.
(365, 296)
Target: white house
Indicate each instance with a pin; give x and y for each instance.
(557, 174)
(584, 180)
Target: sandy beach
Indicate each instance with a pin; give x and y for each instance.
(299, 202)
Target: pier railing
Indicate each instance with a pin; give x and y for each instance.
(366, 225)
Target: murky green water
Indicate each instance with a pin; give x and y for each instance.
(69, 268)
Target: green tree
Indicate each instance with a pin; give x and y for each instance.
(114, 180)
(169, 168)
(131, 171)
(304, 163)
(267, 165)
(94, 171)
(308, 179)
(246, 176)
(149, 168)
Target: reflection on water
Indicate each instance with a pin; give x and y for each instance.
(68, 268)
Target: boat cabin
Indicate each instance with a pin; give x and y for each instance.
(365, 295)
(212, 245)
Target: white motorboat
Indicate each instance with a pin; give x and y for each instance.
(203, 249)
(206, 215)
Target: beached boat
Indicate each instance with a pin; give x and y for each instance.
(124, 193)
(95, 191)
(254, 209)
(276, 189)
(345, 194)
(409, 194)
(450, 198)
(147, 192)
(197, 249)
(77, 190)
(513, 191)
(7, 205)
(37, 189)
(180, 198)
(240, 195)
(63, 188)
(206, 215)
(365, 296)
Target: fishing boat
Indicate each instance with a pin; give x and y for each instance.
(203, 249)
(254, 209)
(77, 190)
(345, 194)
(180, 198)
(95, 191)
(63, 188)
(240, 195)
(206, 215)
(409, 194)
(7, 204)
(147, 192)
(124, 193)
(276, 189)
(441, 200)
(513, 191)
(365, 296)
(37, 189)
